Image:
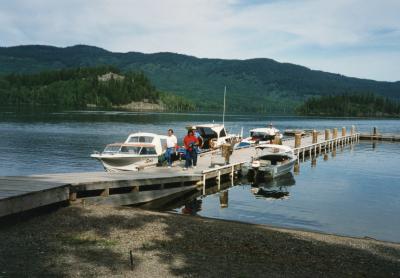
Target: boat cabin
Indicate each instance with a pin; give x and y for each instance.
(211, 135)
(126, 148)
(139, 144)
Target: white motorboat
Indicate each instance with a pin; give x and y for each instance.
(261, 135)
(140, 150)
(212, 136)
(272, 161)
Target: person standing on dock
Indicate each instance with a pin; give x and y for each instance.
(190, 141)
(172, 142)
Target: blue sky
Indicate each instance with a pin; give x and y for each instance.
(359, 38)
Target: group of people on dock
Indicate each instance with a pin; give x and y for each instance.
(190, 144)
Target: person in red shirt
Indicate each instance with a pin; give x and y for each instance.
(190, 141)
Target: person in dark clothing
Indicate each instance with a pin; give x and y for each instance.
(190, 142)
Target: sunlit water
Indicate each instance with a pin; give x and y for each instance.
(355, 193)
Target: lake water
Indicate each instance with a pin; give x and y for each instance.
(356, 193)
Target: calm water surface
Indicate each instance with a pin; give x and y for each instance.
(357, 192)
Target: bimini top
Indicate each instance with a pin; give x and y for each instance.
(143, 137)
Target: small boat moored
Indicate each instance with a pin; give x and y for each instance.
(140, 150)
(261, 135)
(271, 161)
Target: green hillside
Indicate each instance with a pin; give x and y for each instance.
(350, 105)
(257, 85)
(101, 86)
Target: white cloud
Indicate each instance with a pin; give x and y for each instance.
(325, 35)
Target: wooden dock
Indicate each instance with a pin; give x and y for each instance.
(380, 137)
(18, 194)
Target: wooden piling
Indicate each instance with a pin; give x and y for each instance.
(335, 133)
(219, 180)
(72, 196)
(223, 199)
(314, 162)
(297, 140)
(375, 131)
(105, 192)
(314, 136)
(343, 131)
(296, 168)
(327, 134)
(353, 130)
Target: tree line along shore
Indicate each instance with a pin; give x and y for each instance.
(108, 87)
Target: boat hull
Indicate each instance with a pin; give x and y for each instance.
(271, 171)
(277, 170)
(119, 163)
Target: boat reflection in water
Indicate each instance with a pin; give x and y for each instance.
(273, 189)
(192, 206)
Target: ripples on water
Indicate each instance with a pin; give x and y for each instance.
(357, 192)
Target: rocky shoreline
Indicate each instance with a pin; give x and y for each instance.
(97, 241)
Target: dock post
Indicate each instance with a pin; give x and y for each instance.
(219, 179)
(297, 140)
(296, 168)
(327, 134)
(72, 196)
(314, 162)
(374, 131)
(204, 184)
(343, 131)
(105, 192)
(314, 136)
(334, 133)
(233, 175)
(223, 199)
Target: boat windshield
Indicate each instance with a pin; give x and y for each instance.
(207, 132)
(141, 139)
(112, 149)
(130, 149)
(255, 134)
(148, 150)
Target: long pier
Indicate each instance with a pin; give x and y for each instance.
(21, 193)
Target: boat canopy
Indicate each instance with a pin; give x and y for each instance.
(209, 130)
(141, 137)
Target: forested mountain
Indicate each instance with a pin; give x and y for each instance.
(351, 105)
(102, 86)
(261, 85)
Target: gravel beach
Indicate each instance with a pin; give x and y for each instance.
(96, 241)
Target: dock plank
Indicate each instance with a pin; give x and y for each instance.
(15, 204)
